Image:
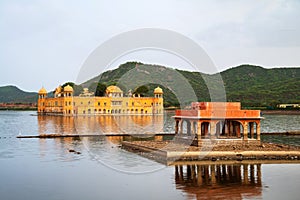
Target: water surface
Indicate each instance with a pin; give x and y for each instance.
(45, 169)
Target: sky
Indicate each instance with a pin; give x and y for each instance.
(45, 43)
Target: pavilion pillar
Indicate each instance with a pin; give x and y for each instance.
(188, 128)
(230, 128)
(198, 133)
(251, 124)
(245, 133)
(218, 129)
(213, 129)
(238, 130)
(181, 128)
(176, 127)
(192, 127)
(258, 130)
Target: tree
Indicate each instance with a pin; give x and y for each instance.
(68, 83)
(100, 90)
(141, 90)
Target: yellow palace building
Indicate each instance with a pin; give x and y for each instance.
(113, 103)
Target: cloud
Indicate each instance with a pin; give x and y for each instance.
(57, 36)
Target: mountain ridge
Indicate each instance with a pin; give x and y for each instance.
(252, 85)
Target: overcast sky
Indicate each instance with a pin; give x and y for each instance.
(45, 43)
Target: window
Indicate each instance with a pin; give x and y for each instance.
(98, 103)
(104, 103)
(116, 103)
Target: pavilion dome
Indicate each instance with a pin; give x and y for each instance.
(42, 91)
(68, 88)
(113, 89)
(158, 90)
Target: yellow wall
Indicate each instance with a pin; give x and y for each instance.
(69, 105)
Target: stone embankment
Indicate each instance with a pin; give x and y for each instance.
(168, 151)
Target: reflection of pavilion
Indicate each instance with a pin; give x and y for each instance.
(218, 120)
(219, 181)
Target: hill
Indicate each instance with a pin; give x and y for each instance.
(12, 94)
(253, 86)
(257, 86)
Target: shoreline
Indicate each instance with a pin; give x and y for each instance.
(280, 112)
(55, 135)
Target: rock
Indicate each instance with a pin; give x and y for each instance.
(72, 150)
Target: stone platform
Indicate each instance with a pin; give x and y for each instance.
(167, 152)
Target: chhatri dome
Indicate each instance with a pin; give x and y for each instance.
(158, 90)
(42, 91)
(113, 89)
(68, 88)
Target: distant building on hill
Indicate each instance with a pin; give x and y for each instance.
(293, 106)
(113, 103)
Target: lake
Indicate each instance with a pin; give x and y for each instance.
(97, 168)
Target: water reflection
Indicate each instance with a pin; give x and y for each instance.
(135, 124)
(226, 181)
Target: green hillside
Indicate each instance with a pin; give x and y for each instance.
(12, 94)
(257, 86)
(253, 86)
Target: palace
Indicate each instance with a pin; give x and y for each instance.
(113, 103)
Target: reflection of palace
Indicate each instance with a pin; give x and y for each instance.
(114, 102)
(226, 181)
(101, 125)
(55, 124)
